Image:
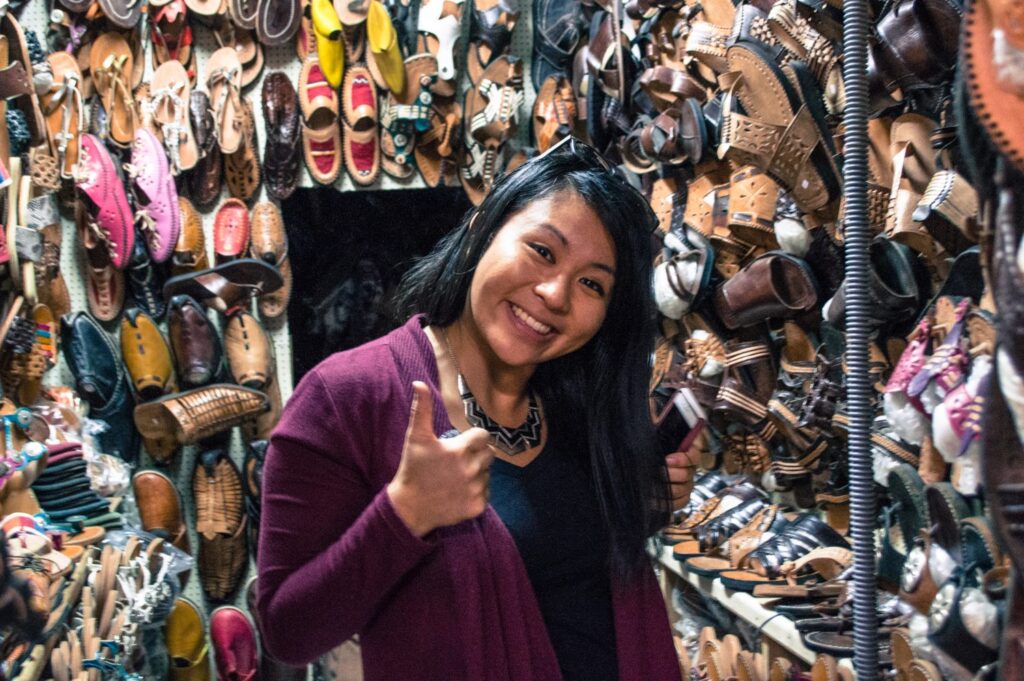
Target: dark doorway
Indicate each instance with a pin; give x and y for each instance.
(348, 251)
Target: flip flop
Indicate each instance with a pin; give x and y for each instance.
(170, 93)
(64, 109)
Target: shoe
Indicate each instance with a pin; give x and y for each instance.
(101, 380)
(249, 351)
(195, 342)
(383, 40)
(234, 644)
(155, 194)
(775, 285)
(97, 180)
(230, 231)
(160, 508)
(282, 151)
(185, 637)
(190, 251)
(146, 355)
(329, 47)
(144, 282)
(197, 414)
(221, 528)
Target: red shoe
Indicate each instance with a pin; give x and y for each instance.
(234, 644)
(231, 230)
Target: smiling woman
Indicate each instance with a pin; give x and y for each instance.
(448, 475)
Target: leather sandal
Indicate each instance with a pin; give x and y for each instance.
(773, 285)
(242, 168)
(439, 27)
(766, 524)
(490, 33)
(227, 285)
(555, 112)
(223, 78)
(110, 68)
(170, 95)
(199, 413)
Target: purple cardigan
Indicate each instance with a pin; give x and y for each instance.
(336, 560)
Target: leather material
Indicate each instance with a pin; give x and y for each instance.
(145, 283)
(195, 343)
(917, 43)
(773, 285)
(160, 508)
(248, 349)
(204, 180)
(269, 243)
(146, 355)
(185, 637)
(221, 528)
(800, 537)
(230, 230)
(101, 380)
(190, 252)
(282, 151)
(201, 413)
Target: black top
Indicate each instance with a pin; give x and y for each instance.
(550, 508)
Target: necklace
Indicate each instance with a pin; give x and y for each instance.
(511, 441)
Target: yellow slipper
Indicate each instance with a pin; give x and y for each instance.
(383, 41)
(329, 47)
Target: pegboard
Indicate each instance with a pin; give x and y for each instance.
(35, 16)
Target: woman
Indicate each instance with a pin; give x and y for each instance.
(535, 311)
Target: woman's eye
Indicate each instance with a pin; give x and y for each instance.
(543, 251)
(590, 283)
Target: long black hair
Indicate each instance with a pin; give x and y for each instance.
(607, 380)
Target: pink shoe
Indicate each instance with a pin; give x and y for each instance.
(155, 194)
(96, 177)
(234, 644)
(906, 414)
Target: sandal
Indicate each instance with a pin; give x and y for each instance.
(321, 131)
(491, 119)
(406, 113)
(171, 36)
(439, 25)
(170, 95)
(769, 522)
(778, 103)
(228, 285)
(64, 110)
(490, 34)
(242, 168)
(554, 112)
(110, 67)
(224, 83)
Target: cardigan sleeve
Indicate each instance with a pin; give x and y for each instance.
(331, 545)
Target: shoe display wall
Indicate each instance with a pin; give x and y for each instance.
(136, 134)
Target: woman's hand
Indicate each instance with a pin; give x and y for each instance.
(681, 469)
(439, 482)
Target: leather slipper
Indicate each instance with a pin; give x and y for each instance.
(321, 130)
(269, 243)
(230, 230)
(362, 155)
(384, 48)
(359, 99)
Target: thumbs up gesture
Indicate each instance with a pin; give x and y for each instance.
(439, 482)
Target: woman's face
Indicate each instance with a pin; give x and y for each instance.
(542, 287)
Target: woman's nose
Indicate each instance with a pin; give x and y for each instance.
(555, 293)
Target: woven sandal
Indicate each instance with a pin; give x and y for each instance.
(220, 524)
(783, 131)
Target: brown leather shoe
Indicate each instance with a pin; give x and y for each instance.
(190, 253)
(269, 243)
(160, 507)
(775, 285)
(248, 350)
(282, 151)
(161, 449)
(220, 524)
(195, 342)
(185, 637)
(201, 413)
(242, 168)
(204, 179)
(146, 355)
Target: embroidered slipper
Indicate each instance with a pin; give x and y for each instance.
(64, 109)
(321, 130)
(439, 27)
(170, 94)
(362, 155)
(359, 99)
(224, 82)
(110, 68)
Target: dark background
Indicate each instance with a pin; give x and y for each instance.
(348, 251)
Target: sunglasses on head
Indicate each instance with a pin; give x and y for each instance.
(581, 150)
